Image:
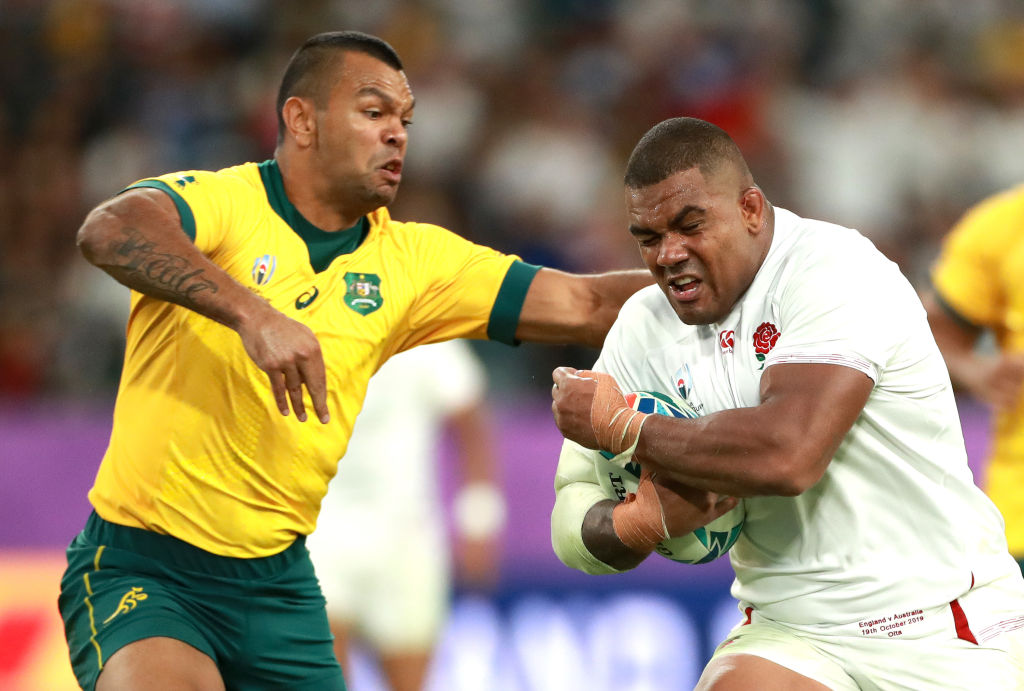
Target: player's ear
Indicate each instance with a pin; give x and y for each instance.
(752, 207)
(299, 115)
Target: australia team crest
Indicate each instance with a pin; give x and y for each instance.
(362, 292)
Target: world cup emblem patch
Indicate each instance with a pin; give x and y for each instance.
(362, 292)
(263, 269)
(683, 381)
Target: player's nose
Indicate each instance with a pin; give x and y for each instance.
(673, 249)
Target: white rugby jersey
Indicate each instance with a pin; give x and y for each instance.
(389, 474)
(897, 521)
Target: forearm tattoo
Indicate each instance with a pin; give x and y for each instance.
(167, 274)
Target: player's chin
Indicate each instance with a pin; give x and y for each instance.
(694, 314)
(383, 195)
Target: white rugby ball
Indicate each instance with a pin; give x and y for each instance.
(620, 475)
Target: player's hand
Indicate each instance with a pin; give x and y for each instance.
(659, 511)
(613, 425)
(572, 398)
(290, 354)
(1002, 381)
(685, 508)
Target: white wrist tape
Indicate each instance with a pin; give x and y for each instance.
(479, 510)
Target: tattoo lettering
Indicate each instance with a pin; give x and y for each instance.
(165, 272)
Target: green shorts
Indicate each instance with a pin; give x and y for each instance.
(262, 621)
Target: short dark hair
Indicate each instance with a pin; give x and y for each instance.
(679, 144)
(308, 69)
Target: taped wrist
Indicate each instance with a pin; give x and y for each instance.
(639, 520)
(616, 425)
(479, 511)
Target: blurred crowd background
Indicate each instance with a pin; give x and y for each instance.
(891, 116)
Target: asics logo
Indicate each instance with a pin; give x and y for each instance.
(306, 299)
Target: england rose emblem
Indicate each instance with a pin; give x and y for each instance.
(764, 340)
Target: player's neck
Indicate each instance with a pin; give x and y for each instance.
(309, 194)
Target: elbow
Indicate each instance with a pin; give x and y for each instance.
(599, 313)
(793, 475)
(90, 237)
(565, 554)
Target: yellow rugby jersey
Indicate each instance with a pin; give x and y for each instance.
(978, 275)
(198, 448)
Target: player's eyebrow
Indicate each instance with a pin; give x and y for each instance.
(676, 221)
(385, 97)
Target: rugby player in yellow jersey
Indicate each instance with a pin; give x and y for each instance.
(261, 293)
(977, 288)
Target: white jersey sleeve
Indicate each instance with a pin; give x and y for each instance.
(576, 492)
(811, 294)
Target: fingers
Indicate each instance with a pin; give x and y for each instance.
(277, 385)
(293, 384)
(560, 374)
(290, 354)
(315, 378)
(724, 505)
(287, 384)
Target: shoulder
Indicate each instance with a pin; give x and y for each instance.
(808, 248)
(646, 318)
(426, 244)
(409, 232)
(826, 268)
(649, 303)
(242, 175)
(1009, 201)
(993, 221)
(823, 239)
(240, 180)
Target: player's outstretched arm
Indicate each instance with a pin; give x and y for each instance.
(562, 307)
(137, 238)
(996, 379)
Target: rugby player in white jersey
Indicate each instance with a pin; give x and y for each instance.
(869, 558)
(395, 597)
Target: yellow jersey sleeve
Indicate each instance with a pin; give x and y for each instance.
(968, 274)
(207, 202)
(461, 280)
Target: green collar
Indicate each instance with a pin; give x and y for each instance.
(323, 246)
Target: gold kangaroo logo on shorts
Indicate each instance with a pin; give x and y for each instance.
(128, 602)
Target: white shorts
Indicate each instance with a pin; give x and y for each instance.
(391, 587)
(974, 643)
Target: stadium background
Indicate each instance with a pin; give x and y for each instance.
(888, 115)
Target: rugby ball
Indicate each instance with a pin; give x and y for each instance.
(620, 475)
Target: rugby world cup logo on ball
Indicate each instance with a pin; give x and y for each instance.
(619, 476)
